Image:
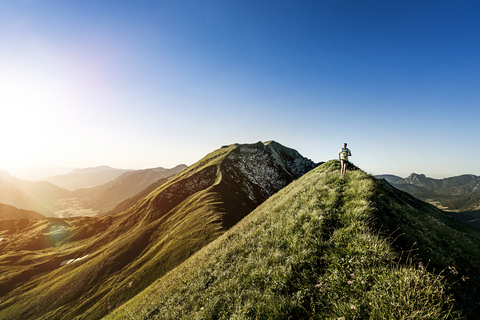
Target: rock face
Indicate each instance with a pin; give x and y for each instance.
(256, 171)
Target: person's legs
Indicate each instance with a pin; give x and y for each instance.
(344, 166)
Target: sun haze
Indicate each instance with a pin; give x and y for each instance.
(143, 84)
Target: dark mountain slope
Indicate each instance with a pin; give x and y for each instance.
(325, 247)
(10, 212)
(120, 255)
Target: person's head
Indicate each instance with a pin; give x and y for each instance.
(345, 145)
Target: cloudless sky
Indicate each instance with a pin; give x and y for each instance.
(138, 84)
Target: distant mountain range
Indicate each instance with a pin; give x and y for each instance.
(437, 189)
(39, 196)
(103, 199)
(460, 195)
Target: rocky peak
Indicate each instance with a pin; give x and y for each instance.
(261, 169)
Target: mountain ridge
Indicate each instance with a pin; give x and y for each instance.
(240, 234)
(326, 247)
(125, 252)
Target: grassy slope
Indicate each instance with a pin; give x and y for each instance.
(322, 248)
(136, 247)
(132, 249)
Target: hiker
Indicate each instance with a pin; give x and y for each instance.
(343, 157)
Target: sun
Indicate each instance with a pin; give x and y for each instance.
(30, 113)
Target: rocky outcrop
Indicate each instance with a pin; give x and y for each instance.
(260, 170)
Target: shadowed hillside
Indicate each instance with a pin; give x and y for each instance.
(325, 247)
(87, 267)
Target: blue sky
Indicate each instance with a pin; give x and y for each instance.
(138, 84)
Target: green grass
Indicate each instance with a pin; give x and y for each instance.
(317, 249)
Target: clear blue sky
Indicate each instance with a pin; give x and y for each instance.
(137, 84)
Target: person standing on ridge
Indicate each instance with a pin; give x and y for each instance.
(343, 157)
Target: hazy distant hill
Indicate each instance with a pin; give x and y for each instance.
(53, 201)
(39, 196)
(86, 178)
(106, 197)
(84, 268)
(10, 212)
(38, 173)
(130, 202)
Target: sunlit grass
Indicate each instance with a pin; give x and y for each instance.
(310, 252)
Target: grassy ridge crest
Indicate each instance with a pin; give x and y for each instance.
(315, 250)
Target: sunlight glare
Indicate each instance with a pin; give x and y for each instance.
(30, 112)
